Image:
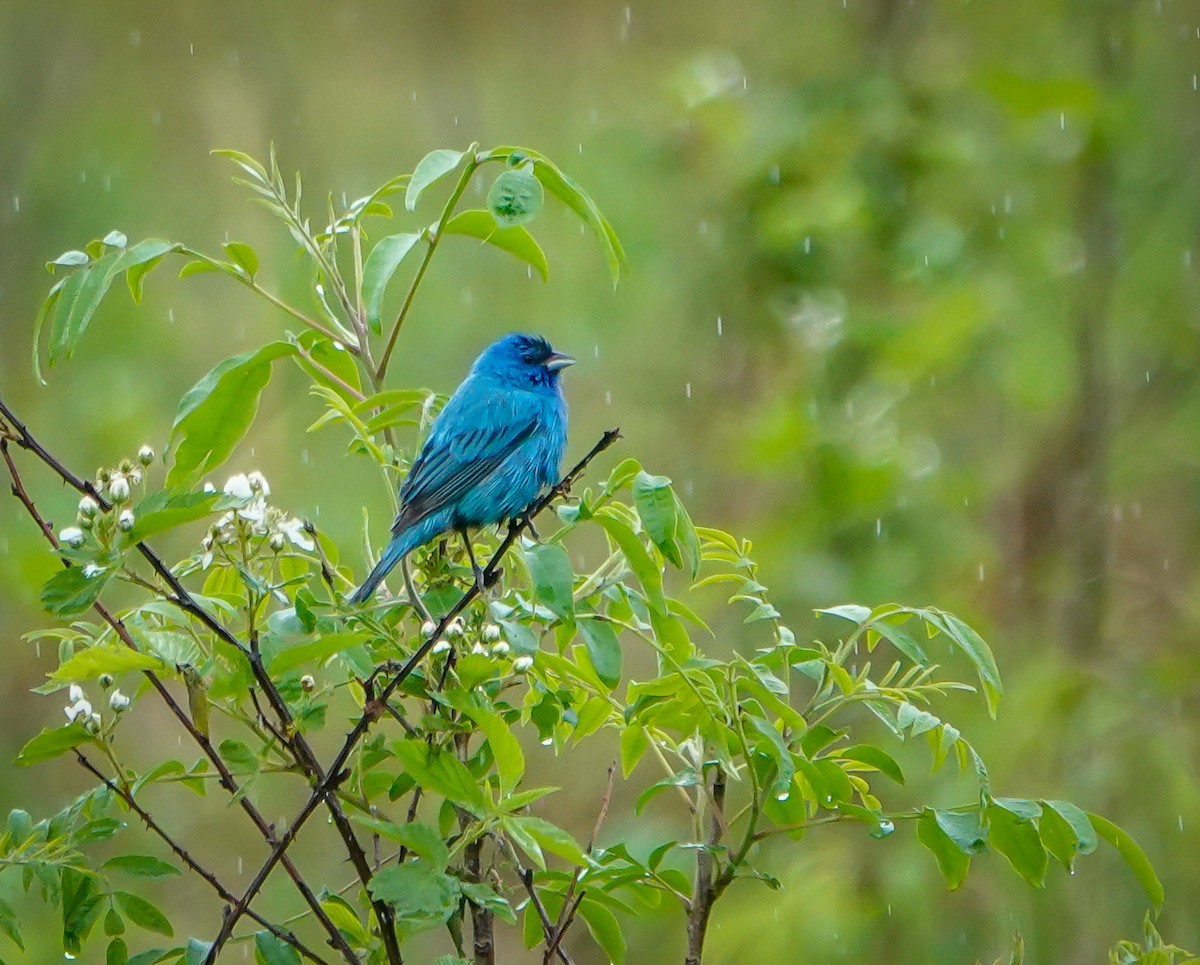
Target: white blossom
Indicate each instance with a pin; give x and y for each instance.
(92, 570)
(238, 486)
(293, 529)
(209, 487)
(75, 694)
(118, 488)
(72, 536)
(522, 664)
(125, 521)
(491, 632)
(145, 455)
(427, 628)
(79, 710)
(88, 507)
(454, 628)
(478, 649)
(258, 483)
(135, 476)
(118, 701)
(500, 648)
(441, 646)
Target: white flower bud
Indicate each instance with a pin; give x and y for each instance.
(105, 680)
(308, 683)
(125, 521)
(135, 476)
(118, 701)
(93, 724)
(500, 648)
(72, 536)
(208, 487)
(238, 486)
(454, 628)
(145, 455)
(91, 571)
(478, 649)
(258, 483)
(118, 489)
(491, 632)
(80, 710)
(427, 628)
(522, 664)
(88, 507)
(75, 693)
(440, 647)
(276, 541)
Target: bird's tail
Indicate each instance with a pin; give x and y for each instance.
(393, 553)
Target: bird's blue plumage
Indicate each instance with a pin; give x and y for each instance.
(495, 446)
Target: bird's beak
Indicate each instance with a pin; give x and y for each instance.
(557, 361)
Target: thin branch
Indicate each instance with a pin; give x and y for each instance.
(224, 893)
(336, 773)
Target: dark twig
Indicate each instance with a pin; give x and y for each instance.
(336, 773)
(566, 915)
(225, 894)
(26, 441)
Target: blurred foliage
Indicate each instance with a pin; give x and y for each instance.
(950, 249)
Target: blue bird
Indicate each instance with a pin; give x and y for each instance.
(497, 444)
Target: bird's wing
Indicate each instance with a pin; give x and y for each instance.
(474, 434)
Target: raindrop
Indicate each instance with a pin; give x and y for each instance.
(1195, 81)
(304, 456)
(783, 795)
(889, 911)
(981, 573)
(720, 326)
(156, 118)
(1181, 822)
(926, 261)
(1008, 204)
(171, 316)
(808, 244)
(1166, 565)
(191, 48)
(547, 742)
(1000, 232)
(108, 182)
(580, 147)
(83, 177)
(1147, 376)
(1118, 516)
(456, 122)
(608, 397)
(17, 203)
(135, 38)
(1136, 509)
(1062, 120)
(596, 350)
(37, 648)
(239, 864)
(414, 95)
(1187, 258)
(703, 227)
(68, 956)
(966, 502)
(594, 117)
(687, 389)
(773, 174)
(878, 526)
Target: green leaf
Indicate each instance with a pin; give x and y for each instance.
(71, 591)
(1134, 856)
(142, 913)
(603, 649)
(551, 837)
(506, 749)
(605, 929)
(381, 264)
(578, 200)
(431, 168)
(553, 578)
(200, 267)
(165, 510)
(112, 658)
(655, 504)
(82, 902)
(140, 260)
(10, 925)
(141, 865)
(516, 196)
(53, 743)
(1017, 839)
(634, 743)
(346, 919)
(441, 772)
(197, 951)
(874, 757)
(848, 611)
(1066, 831)
(77, 303)
(484, 897)
(420, 839)
(44, 311)
(242, 255)
(317, 650)
(421, 896)
(979, 653)
(217, 411)
(952, 861)
(269, 950)
(117, 953)
(238, 755)
(69, 259)
(115, 239)
(516, 240)
(964, 829)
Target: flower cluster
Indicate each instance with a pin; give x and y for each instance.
(489, 643)
(116, 486)
(80, 708)
(253, 517)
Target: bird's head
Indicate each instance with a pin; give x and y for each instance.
(524, 360)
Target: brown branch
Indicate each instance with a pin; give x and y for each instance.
(26, 441)
(705, 892)
(336, 773)
(225, 894)
(566, 914)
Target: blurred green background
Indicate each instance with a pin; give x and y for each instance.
(912, 304)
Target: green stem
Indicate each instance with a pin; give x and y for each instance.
(432, 239)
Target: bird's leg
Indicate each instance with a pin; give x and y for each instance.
(411, 590)
(479, 579)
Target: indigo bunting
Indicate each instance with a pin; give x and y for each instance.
(497, 444)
